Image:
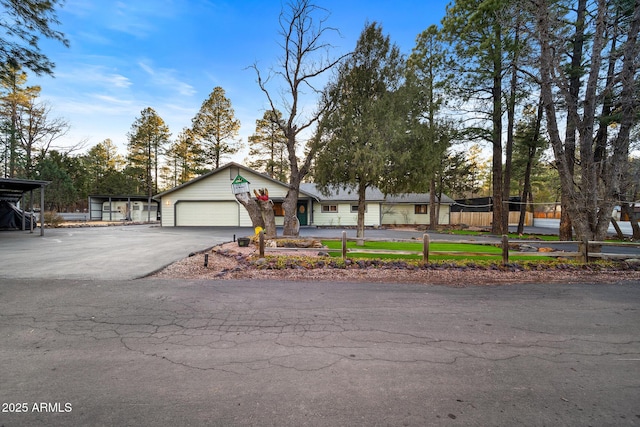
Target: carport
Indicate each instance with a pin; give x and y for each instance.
(13, 190)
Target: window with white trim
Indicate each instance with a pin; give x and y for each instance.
(421, 209)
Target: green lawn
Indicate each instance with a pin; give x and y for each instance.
(514, 236)
(492, 252)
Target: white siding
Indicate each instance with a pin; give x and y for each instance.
(344, 216)
(404, 214)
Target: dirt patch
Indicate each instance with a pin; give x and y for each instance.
(230, 262)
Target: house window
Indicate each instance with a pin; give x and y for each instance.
(421, 209)
(354, 208)
(278, 210)
(329, 208)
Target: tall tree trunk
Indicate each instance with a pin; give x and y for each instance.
(362, 205)
(575, 74)
(497, 226)
(531, 154)
(498, 206)
(433, 213)
(511, 120)
(526, 191)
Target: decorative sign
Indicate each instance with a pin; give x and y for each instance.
(240, 185)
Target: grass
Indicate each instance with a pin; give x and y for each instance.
(514, 236)
(492, 252)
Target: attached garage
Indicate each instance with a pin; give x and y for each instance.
(205, 213)
(208, 200)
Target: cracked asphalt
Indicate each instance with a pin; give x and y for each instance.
(148, 352)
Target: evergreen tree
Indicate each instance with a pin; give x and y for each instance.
(268, 146)
(360, 123)
(216, 127)
(101, 161)
(147, 139)
(22, 23)
(429, 136)
(183, 158)
(61, 192)
(14, 100)
(481, 33)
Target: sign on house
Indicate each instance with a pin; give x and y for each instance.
(240, 185)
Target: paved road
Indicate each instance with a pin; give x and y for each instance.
(161, 352)
(85, 343)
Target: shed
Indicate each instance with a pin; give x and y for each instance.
(122, 207)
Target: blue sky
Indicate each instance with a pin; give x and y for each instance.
(170, 54)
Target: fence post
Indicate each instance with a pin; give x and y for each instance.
(585, 250)
(261, 243)
(505, 249)
(344, 245)
(425, 247)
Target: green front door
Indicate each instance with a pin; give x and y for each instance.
(301, 213)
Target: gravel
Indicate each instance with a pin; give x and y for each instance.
(230, 262)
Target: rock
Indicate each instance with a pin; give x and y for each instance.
(299, 243)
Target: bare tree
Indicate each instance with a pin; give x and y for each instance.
(37, 132)
(590, 180)
(305, 58)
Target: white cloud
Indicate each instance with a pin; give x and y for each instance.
(165, 78)
(93, 76)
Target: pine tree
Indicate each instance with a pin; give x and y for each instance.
(216, 127)
(148, 136)
(183, 158)
(268, 146)
(361, 121)
(23, 22)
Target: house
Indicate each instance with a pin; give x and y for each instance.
(340, 208)
(208, 200)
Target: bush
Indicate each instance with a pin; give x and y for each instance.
(53, 219)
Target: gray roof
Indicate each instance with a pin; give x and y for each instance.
(339, 194)
(221, 168)
(417, 198)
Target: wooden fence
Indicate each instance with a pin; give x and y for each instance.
(583, 253)
(484, 219)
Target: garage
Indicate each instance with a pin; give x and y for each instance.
(209, 200)
(206, 213)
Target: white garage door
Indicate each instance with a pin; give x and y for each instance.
(207, 214)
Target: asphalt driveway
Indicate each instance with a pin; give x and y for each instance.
(124, 252)
(117, 252)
